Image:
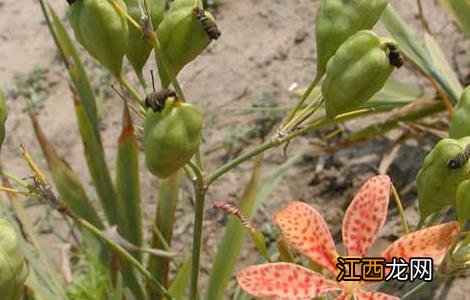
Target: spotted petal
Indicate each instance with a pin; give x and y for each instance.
(284, 281)
(366, 215)
(432, 242)
(306, 231)
(363, 295)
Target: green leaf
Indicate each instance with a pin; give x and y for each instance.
(128, 191)
(128, 185)
(74, 65)
(96, 161)
(414, 50)
(394, 94)
(164, 220)
(229, 248)
(180, 283)
(65, 180)
(460, 11)
(441, 63)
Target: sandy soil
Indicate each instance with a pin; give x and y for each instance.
(266, 46)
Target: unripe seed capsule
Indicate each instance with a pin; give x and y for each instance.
(171, 137)
(337, 20)
(138, 50)
(437, 180)
(182, 36)
(102, 30)
(460, 122)
(358, 70)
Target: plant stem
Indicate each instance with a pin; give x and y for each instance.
(200, 192)
(304, 97)
(197, 238)
(410, 293)
(128, 87)
(401, 212)
(261, 148)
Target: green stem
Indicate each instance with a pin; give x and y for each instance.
(122, 252)
(129, 88)
(411, 293)
(401, 212)
(304, 97)
(200, 191)
(261, 148)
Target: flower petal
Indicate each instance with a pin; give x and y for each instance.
(306, 231)
(366, 215)
(363, 295)
(432, 242)
(284, 281)
(343, 296)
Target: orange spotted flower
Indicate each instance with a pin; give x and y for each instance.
(306, 231)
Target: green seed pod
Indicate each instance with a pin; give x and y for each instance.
(357, 71)
(439, 176)
(460, 123)
(139, 50)
(171, 137)
(3, 117)
(462, 206)
(337, 20)
(182, 36)
(13, 268)
(102, 30)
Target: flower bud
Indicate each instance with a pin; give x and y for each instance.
(182, 36)
(138, 50)
(357, 71)
(102, 30)
(13, 268)
(171, 137)
(337, 20)
(460, 122)
(440, 175)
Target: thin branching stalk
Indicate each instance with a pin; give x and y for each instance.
(401, 212)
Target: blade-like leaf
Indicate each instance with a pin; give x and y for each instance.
(180, 283)
(74, 65)
(232, 240)
(65, 180)
(366, 215)
(233, 237)
(414, 50)
(168, 195)
(128, 185)
(305, 230)
(284, 281)
(460, 11)
(432, 242)
(128, 195)
(394, 94)
(97, 166)
(440, 62)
